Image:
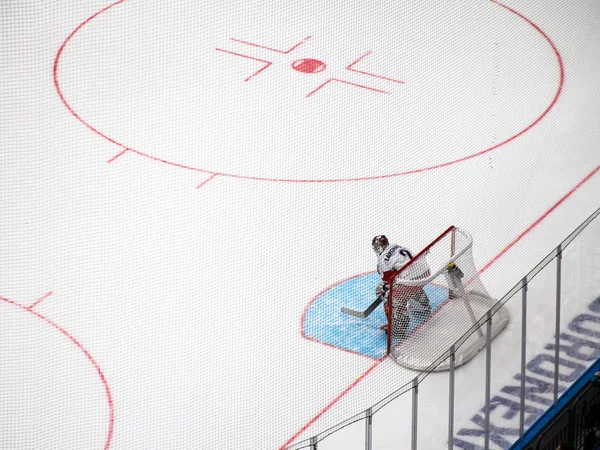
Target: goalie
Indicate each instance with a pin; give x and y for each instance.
(390, 259)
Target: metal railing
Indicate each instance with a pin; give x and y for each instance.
(485, 321)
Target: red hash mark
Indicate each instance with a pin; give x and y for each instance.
(311, 66)
(40, 300)
(206, 181)
(285, 52)
(267, 63)
(351, 67)
(331, 80)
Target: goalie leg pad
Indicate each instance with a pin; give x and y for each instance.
(423, 302)
(400, 322)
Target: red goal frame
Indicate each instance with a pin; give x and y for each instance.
(392, 277)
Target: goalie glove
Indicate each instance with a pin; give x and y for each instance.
(381, 289)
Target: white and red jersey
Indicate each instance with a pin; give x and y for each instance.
(394, 257)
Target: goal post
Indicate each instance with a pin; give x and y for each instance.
(434, 300)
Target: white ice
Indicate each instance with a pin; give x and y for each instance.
(165, 223)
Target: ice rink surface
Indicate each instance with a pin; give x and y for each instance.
(179, 181)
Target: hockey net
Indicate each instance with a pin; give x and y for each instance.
(444, 276)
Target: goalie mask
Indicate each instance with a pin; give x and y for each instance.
(379, 244)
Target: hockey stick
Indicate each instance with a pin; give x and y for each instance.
(366, 312)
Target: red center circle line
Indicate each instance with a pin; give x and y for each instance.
(367, 178)
(111, 409)
(55, 74)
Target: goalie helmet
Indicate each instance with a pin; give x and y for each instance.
(379, 243)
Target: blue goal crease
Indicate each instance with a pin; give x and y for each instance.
(325, 322)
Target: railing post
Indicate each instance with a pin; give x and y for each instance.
(523, 354)
(313, 443)
(368, 428)
(488, 378)
(557, 325)
(451, 400)
(415, 402)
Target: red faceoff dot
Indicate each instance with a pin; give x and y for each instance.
(308, 66)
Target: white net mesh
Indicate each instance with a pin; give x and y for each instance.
(436, 298)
